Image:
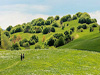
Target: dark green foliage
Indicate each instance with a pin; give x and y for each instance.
(72, 29)
(37, 46)
(51, 19)
(52, 29)
(59, 42)
(65, 18)
(71, 32)
(38, 30)
(56, 17)
(74, 17)
(58, 35)
(31, 42)
(63, 27)
(94, 25)
(9, 28)
(79, 27)
(35, 38)
(15, 46)
(47, 22)
(78, 14)
(16, 29)
(51, 41)
(91, 29)
(7, 34)
(66, 32)
(55, 24)
(26, 44)
(27, 29)
(23, 41)
(84, 26)
(69, 19)
(67, 38)
(46, 30)
(82, 20)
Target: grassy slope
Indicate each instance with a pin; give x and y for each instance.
(83, 40)
(64, 61)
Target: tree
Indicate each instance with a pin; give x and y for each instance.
(46, 30)
(58, 35)
(72, 29)
(7, 34)
(74, 17)
(91, 29)
(51, 41)
(26, 44)
(15, 46)
(35, 38)
(37, 46)
(79, 14)
(67, 38)
(55, 24)
(66, 32)
(59, 42)
(9, 28)
(47, 22)
(52, 29)
(27, 29)
(65, 18)
(56, 17)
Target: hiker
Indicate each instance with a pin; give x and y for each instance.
(21, 56)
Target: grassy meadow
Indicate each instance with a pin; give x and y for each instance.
(50, 62)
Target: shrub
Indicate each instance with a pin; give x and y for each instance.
(27, 29)
(94, 25)
(74, 17)
(26, 44)
(35, 38)
(67, 38)
(55, 24)
(57, 35)
(38, 30)
(79, 27)
(63, 27)
(66, 32)
(84, 26)
(79, 14)
(91, 29)
(59, 42)
(71, 32)
(15, 46)
(56, 17)
(52, 29)
(9, 28)
(47, 22)
(37, 46)
(65, 18)
(72, 29)
(7, 34)
(23, 41)
(31, 42)
(46, 30)
(51, 41)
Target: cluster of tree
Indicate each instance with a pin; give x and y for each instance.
(84, 26)
(59, 39)
(26, 43)
(48, 30)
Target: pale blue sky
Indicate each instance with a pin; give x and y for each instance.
(14, 12)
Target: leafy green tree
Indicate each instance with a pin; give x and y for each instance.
(67, 38)
(47, 22)
(46, 30)
(32, 42)
(65, 18)
(27, 29)
(37, 46)
(52, 29)
(72, 28)
(35, 38)
(74, 17)
(59, 42)
(55, 24)
(26, 44)
(9, 28)
(94, 25)
(23, 41)
(66, 32)
(38, 30)
(51, 41)
(57, 17)
(91, 29)
(79, 14)
(15, 46)
(58, 35)
(7, 34)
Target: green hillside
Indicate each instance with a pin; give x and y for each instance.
(49, 61)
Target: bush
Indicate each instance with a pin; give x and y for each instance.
(47, 22)
(94, 25)
(46, 30)
(58, 35)
(32, 42)
(59, 42)
(15, 46)
(71, 32)
(51, 41)
(57, 17)
(91, 29)
(67, 38)
(35, 38)
(38, 30)
(66, 32)
(79, 27)
(23, 41)
(9, 28)
(55, 24)
(27, 29)
(7, 34)
(26, 44)
(74, 17)
(65, 18)
(79, 14)
(63, 27)
(84, 26)
(37, 46)
(52, 29)
(72, 29)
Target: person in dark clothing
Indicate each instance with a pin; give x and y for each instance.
(21, 56)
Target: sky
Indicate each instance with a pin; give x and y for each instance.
(13, 12)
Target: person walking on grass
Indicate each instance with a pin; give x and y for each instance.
(21, 56)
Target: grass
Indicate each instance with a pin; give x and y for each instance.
(49, 62)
